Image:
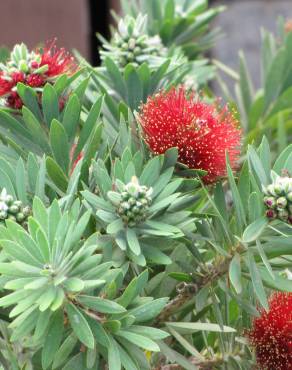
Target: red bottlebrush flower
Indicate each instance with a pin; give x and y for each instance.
(59, 61)
(18, 77)
(202, 132)
(5, 85)
(271, 334)
(79, 157)
(14, 100)
(35, 80)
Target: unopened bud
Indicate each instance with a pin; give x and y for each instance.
(278, 189)
(23, 66)
(3, 215)
(270, 202)
(13, 209)
(283, 215)
(26, 211)
(281, 202)
(20, 217)
(271, 214)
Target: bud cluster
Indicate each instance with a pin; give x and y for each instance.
(135, 200)
(12, 209)
(131, 44)
(278, 199)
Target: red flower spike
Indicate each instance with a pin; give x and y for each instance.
(14, 100)
(54, 62)
(202, 132)
(5, 85)
(35, 80)
(271, 334)
(59, 61)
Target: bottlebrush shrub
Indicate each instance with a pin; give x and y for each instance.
(130, 260)
(139, 205)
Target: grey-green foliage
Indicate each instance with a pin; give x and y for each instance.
(140, 205)
(62, 293)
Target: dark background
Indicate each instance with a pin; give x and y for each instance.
(75, 23)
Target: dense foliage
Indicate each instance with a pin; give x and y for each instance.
(143, 223)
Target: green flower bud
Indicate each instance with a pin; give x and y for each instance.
(13, 209)
(9, 200)
(137, 50)
(136, 210)
(132, 44)
(132, 201)
(17, 203)
(289, 196)
(3, 215)
(23, 66)
(130, 56)
(283, 214)
(12, 218)
(20, 217)
(26, 211)
(281, 202)
(278, 189)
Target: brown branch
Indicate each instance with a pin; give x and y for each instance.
(202, 365)
(187, 291)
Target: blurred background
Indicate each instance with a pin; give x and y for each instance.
(76, 22)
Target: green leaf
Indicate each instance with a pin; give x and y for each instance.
(246, 88)
(254, 230)
(114, 360)
(133, 289)
(192, 327)
(256, 280)
(139, 340)
(56, 174)
(101, 305)
(280, 162)
(235, 273)
(116, 76)
(259, 170)
(21, 181)
(74, 284)
(89, 124)
(151, 172)
(80, 326)
(133, 241)
(134, 87)
(176, 357)
(30, 99)
(181, 276)
(59, 144)
(239, 209)
(52, 339)
(71, 116)
(149, 332)
(148, 310)
(50, 104)
(37, 132)
(64, 351)
(264, 258)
